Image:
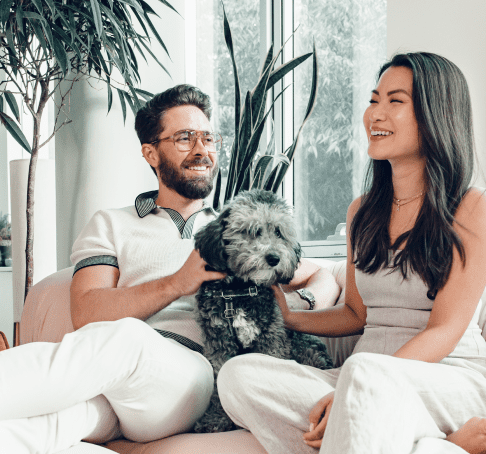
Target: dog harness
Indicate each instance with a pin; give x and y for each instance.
(228, 295)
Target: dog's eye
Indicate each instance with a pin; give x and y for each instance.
(278, 233)
(258, 232)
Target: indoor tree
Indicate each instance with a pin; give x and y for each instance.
(46, 42)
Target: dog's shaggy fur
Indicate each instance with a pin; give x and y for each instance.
(254, 241)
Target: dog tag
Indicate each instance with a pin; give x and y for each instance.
(229, 312)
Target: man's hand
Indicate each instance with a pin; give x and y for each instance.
(471, 436)
(193, 273)
(318, 418)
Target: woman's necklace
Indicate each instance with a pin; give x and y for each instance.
(400, 202)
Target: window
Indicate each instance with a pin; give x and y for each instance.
(350, 38)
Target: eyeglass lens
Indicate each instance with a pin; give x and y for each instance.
(186, 140)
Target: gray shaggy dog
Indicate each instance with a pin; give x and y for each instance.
(254, 241)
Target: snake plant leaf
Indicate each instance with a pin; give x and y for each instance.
(285, 68)
(310, 106)
(263, 165)
(12, 103)
(217, 192)
(229, 45)
(15, 131)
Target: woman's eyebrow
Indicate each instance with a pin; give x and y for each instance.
(398, 90)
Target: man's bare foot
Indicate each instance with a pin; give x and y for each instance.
(471, 436)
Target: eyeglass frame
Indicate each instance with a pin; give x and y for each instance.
(199, 135)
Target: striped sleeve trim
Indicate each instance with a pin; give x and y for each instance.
(97, 260)
(182, 340)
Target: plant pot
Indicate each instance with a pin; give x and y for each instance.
(5, 252)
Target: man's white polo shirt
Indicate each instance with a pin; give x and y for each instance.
(145, 242)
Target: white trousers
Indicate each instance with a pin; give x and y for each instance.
(382, 404)
(105, 380)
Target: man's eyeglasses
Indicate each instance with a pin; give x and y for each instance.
(186, 140)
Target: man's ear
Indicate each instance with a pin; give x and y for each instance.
(151, 155)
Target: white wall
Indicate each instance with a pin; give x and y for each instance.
(456, 30)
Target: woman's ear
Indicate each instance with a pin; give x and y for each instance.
(209, 243)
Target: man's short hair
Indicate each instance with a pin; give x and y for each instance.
(149, 122)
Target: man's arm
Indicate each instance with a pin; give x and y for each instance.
(95, 296)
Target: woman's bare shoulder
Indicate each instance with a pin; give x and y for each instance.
(471, 213)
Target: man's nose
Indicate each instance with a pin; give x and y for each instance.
(199, 148)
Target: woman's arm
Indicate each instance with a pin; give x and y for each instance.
(342, 320)
(317, 280)
(456, 302)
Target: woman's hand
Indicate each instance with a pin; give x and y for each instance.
(318, 418)
(471, 436)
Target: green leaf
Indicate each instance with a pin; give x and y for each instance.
(95, 8)
(19, 15)
(310, 106)
(12, 103)
(123, 104)
(110, 94)
(154, 31)
(169, 6)
(1, 102)
(10, 40)
(154, 57)
(61, 56)
(145, 94)
(284, 69)
(14, 131)
(217, 192)
(52, 7)
(5, 10)
(38, 5)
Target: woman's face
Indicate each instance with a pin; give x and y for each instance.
(389, 120)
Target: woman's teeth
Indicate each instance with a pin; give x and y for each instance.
(381, 133)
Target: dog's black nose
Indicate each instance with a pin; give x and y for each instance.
(272, 259)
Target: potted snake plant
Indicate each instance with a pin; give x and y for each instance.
(249, 167)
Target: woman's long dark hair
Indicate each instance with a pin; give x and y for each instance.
(442, 108)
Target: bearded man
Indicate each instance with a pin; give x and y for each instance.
(134, 366)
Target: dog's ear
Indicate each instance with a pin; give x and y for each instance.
(209, 243)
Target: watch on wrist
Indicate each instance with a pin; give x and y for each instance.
(308, 296)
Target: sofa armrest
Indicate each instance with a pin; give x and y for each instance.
(46, 316)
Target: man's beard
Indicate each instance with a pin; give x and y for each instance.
(191, 188)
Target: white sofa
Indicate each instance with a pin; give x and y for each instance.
(46, 318)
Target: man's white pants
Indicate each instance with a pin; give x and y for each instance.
(382, 404)
(105, 380)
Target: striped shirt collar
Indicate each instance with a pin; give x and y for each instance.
(145, 204)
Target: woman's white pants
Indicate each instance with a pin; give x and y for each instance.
(382, 404)
(105, 380)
